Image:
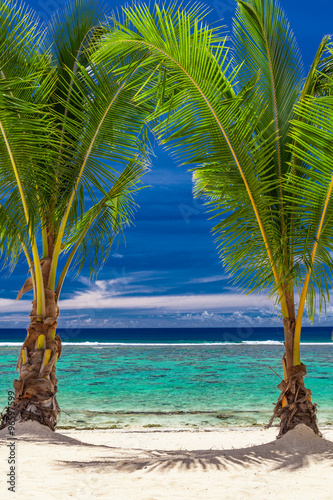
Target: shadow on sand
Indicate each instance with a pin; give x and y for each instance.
(293, 451)
(271, 454)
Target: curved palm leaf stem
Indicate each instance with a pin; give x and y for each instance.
(35, 254)
(64, 271)
(74, 249)
(68, 263)
(73, 252)
(233, 152)
(99, 207)
(61, 231)
(298, 326)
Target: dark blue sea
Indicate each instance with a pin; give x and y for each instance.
(174, 335)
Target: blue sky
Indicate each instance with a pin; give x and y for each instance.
(168, 274)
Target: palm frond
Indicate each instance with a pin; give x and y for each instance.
(265, 43)
(94, 233)
(68, 129)
(199, 116)
(310, 186)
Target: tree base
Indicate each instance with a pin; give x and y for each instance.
(23, 410)
(294, 405)
(36, 388)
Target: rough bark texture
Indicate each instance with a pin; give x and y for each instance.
(294, 405)
(36, 388)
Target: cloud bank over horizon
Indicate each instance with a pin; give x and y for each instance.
(138, 300)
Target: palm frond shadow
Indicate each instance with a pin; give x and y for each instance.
(289, 454)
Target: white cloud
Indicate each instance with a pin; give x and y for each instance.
(101, 299)
(10, 305)
(117, 256)
(209, 279)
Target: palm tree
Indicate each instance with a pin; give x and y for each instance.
(259, 135)
(72, 153)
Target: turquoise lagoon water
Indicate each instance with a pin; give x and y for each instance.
(161, 378)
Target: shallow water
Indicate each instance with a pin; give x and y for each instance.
(175, 385)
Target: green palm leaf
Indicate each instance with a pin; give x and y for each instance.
(69, 130)
(199, 115)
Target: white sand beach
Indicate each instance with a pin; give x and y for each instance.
(238, 463)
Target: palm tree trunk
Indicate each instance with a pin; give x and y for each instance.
(294, 405)
(36, 388)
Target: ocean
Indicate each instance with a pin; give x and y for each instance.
(125, 378)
